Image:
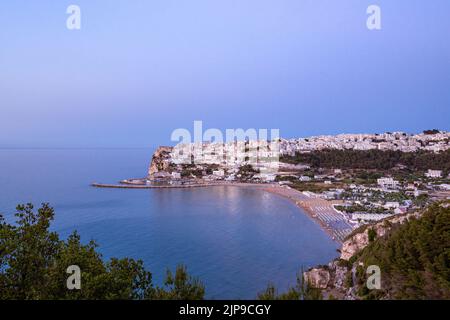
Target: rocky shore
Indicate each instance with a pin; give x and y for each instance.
(337, 279)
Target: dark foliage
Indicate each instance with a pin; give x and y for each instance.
(414, 258)
(301, 291)
(372, 159)
(33, 264)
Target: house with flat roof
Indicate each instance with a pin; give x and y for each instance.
(433, 173)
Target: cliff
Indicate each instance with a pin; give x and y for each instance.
(160, 161)
(360, 239)
(345, 278)
(317, 277)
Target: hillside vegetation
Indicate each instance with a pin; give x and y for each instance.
(414, 258)
(372, 159)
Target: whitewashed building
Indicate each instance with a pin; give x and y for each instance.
(369, 216)
(219, 173)
(176, 175)
(433, 174)
(387, 183)
(391, 205)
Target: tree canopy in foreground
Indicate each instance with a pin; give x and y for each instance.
(34, 260)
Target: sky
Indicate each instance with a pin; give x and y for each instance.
(137, 70)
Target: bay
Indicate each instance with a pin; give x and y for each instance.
(236, 240)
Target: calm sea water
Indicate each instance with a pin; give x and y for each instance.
(235, 240)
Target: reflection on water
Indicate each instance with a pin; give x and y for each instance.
(236, 240)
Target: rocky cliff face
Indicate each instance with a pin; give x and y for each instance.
(353, 245)
(317, 277)
(333, 277)
(359, 241)
(160, 161)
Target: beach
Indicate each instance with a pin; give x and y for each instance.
(334, 223)
(322, 211)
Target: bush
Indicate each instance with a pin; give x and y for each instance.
(414, 257)
(33, 264)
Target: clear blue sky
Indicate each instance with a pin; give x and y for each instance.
(139, 69)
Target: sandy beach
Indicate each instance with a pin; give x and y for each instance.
(319, 210)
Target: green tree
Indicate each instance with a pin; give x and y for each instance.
(414, 257)
(301, 291)
(372, 159)
(33, 264)
(180, 286)
(372, 234)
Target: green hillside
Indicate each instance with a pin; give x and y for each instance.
(414, 258)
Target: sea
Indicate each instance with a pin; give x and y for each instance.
(236, 240)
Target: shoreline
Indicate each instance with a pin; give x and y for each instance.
(319, 210)
(302, 201)
(125, 185)
(306, 210)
